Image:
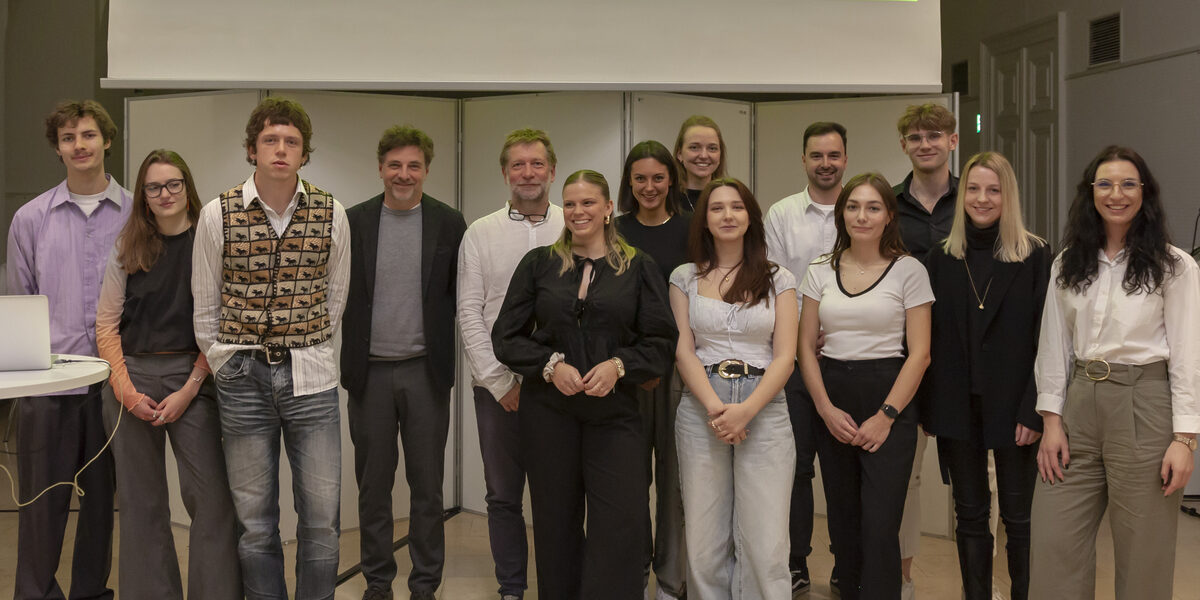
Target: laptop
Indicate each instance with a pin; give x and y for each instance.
(25, 321)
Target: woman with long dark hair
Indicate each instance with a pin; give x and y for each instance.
(1118, 369)
(654, 222)
(699, 155)
(736, 315)
(989, 277)
(869, 297)
(584, 322)
(144, 330)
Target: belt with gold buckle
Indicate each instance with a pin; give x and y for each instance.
(1095, 375)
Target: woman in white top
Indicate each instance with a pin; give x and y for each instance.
(868, 296)
(1118, 369)
(735, 312)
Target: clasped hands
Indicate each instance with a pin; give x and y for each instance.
(869, 436)
(598, 382)
(729, 422)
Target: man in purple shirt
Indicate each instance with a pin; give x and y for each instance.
(58, 244)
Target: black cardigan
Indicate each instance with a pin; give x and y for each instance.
(1008, 348)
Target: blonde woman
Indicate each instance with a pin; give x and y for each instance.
(989, 277)
(584, 322)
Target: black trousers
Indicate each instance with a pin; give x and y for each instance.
(965, 464)
(57, 435)
(865, 491)
(584, 457)
(400, 399)
(804, 423)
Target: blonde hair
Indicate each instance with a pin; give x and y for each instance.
(1014, 243)
(618, 253)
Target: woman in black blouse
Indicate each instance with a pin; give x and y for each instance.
(654, 222)
(144, 330)
(584, 322)
(989, 277)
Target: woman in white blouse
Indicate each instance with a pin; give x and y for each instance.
(867, 296)
(1118, 369)
(736, 314)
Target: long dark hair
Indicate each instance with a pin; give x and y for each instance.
(626, 203)
(141, 243)
(1148, 259)
(891, 245)
(755, 278)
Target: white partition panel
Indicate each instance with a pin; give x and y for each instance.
(658, 117)
(586, 130)
(208, 130)
(872, 142)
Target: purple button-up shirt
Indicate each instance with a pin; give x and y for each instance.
(57, 251)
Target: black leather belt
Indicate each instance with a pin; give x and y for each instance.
(276, 355)
(733, 368)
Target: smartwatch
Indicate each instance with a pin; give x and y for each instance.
(889, 411)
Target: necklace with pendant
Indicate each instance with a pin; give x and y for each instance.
(975, 290)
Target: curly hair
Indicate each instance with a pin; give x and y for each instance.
(1149, 259)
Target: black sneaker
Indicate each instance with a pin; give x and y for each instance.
(834, 590)
(800, 580)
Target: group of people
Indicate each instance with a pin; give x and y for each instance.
(688, 343)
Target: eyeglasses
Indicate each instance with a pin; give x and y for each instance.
(1127, 186)
(517, 215)
(932, 136)
(154, 190)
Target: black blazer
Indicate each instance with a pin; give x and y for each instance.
(1009, 347)
(442, 230)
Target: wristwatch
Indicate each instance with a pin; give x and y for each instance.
(889, 411)
(620, 366)
(1190, 442)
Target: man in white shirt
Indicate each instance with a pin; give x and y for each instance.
(270, 270)
(801, 228)
(490, 251)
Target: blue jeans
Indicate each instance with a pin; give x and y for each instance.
(257, 404)
(736, 498)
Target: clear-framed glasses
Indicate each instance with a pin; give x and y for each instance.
(517, 215)
(932, 136)
(154, 190)
(1128, 186)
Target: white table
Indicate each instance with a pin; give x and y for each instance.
(69, 371)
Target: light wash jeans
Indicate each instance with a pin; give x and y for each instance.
(736, 499)
(256, 405)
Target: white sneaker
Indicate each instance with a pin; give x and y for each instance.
(661, 594)
(908, 591)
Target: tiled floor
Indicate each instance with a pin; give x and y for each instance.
(469, 569)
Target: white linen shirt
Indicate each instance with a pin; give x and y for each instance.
(1106, 323)
(314, 368)
(798, 232)
(491, 249)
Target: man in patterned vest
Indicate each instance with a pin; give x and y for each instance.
(270, 270)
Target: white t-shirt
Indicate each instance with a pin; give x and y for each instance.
(88, 202)
(869, 324)
(723, 330)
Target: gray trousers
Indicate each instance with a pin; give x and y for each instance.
(1118, 431)
(400, 399)
(148, 566)
(665, 547)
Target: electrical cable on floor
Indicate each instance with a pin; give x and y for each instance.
(74, 483)
(348, 574)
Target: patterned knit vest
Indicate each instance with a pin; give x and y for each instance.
(274, 289)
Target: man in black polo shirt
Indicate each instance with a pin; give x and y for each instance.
(926, 198)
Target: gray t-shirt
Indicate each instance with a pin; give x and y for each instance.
(397, 327)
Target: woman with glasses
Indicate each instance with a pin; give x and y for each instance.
(736, 315)
(699, 155)
(868, 297)
(161, 380)
(989, 277)
(1118, 378)
(654, 222)
(585, 321)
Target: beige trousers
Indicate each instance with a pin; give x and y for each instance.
(1118, 431)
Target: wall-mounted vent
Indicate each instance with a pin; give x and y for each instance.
(960, 78)
(1104, 40)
